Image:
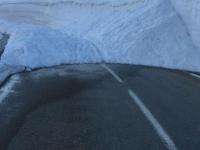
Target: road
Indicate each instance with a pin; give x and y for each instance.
(100, 107)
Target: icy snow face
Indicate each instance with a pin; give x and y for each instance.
(35, 11)
(23, 13)
(190, 12)
(46, 33)
(38, 47)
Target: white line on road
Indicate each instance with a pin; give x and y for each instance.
(154, 122)
(195, 75)
(7, 88)
(168, 142)
(112, 73)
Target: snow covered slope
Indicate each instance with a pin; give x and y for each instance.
(190, 12)
(53, 32)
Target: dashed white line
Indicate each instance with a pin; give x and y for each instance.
(154, 122)
(7, 88)
(168, 142)
(112, 73)
(195, 75)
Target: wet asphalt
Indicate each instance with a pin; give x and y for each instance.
(83, 107)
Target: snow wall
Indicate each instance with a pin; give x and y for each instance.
(52, 32)
(190, 12)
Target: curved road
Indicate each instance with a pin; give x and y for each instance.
(100, 107)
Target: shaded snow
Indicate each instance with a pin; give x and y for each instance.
(146, 32)
(190, 12)
(1, 35)
(37, 47)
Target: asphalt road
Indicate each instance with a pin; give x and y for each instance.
(100, 107)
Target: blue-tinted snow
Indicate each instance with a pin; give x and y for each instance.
(146, 32)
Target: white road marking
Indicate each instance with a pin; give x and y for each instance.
(112, 73)
(168, 142)
(195, 75)
(7, 88)
(154, 122)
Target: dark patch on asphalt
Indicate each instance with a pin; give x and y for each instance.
(97, 118)
(3, 43)
(14, 110)
(82, 107)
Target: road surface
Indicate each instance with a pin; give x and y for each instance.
(100, 107)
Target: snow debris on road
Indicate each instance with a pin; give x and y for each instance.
(6, 71)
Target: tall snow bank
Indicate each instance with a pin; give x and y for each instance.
(190, 12)
(146, 32)
(38, 47)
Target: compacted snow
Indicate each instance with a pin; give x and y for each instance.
(145, 32)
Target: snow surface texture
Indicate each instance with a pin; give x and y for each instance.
(190, 12)
(53, 32)
(7, 70)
